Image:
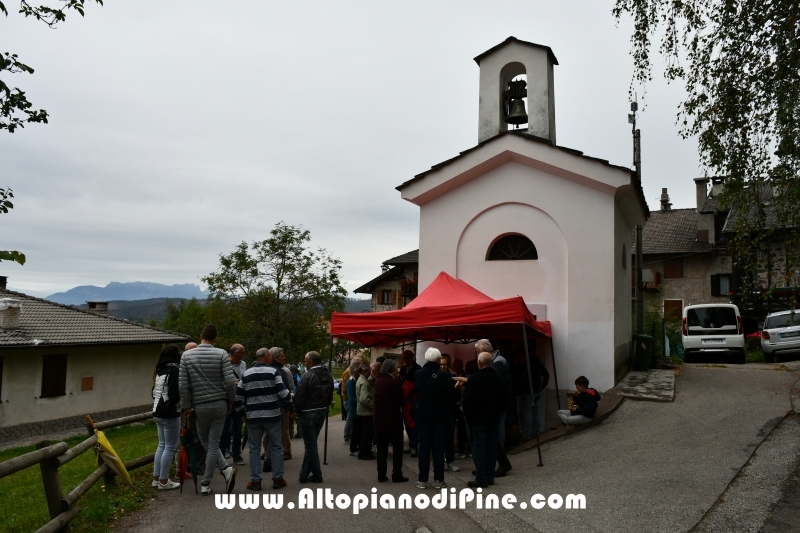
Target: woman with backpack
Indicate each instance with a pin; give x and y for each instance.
(166, 415)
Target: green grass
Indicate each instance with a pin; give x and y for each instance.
(23, 507)
(755, 356)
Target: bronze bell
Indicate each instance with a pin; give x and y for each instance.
(516, 113)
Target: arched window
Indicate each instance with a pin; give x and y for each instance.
(514, 247)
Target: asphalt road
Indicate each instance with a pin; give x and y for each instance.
(655, 467)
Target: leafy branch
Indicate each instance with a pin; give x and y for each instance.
(15, 108)
(5, 205)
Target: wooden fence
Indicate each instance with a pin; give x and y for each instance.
(50, 457)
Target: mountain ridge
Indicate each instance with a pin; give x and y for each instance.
(136, 290)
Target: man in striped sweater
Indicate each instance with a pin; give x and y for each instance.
(262, 392)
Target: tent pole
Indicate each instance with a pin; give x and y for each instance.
(330, 368)
(555, 373)
(530, 383)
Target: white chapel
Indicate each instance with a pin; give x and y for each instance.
(518, 214)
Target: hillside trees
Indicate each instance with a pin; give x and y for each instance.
(274, 292)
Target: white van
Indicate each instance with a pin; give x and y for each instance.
(713, 328)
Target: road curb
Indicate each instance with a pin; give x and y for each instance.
(610, 402)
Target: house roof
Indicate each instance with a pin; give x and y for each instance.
(45, 323)
(515, 40)
(671, 232)
(392, 273)
(407, 258)
(766, 197)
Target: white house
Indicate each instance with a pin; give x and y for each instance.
(519, 215)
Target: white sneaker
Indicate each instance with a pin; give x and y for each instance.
(154, 484)
(230, 478)
(205, 490)
(439, 485)
(170, 485)
(423, 485)
(452, 467)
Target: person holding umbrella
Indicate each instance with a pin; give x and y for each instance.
(166, 398)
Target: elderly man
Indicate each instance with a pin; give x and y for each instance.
(260, 391)
(233, 422)
(485, 401)
(434, 389)
(407, 374)
(279, 363)
(206, 384)
(365, 391)
(500, 366)
(388, 421)
(312, 401)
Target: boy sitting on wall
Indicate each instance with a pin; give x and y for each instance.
(584, 405)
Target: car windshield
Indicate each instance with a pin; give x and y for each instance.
(782, 321)
(711, 317)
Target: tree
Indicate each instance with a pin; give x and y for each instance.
(740, 64)
(283, 291)
(15, 109)
(5, 205)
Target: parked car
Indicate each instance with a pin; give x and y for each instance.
(713, 329)
(781, 333)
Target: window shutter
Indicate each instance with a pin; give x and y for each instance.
(656, 279)
(54, 375)
(673, 268)
(715, 285)
(393, 297)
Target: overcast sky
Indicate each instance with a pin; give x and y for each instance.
(178, 129)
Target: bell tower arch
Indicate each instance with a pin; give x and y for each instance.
(502, 105)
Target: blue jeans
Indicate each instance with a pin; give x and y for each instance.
(255, 432)
(169, 430)
(431, 437)
(484, 445)
(233, 427)
(310, 425)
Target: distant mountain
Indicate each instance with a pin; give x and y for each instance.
(352, 305)
(137, 290)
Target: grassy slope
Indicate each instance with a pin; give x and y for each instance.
(23, 507)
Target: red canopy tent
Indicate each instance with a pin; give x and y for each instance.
(449, 310)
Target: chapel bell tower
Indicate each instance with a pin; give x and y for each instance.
(515, 73)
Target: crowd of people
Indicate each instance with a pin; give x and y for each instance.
(449, 410)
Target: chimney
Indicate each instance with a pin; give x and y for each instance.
(666, 205)
(98, 308)
(717, 186)
(9, 313)
(3, 282)
(701, 185)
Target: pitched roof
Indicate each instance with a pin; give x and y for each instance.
(513, 39)
(404, 259)
(671, 232)
(45, 323)
(534, 138)
(392, 273)
(766, 197)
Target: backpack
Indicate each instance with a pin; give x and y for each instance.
(322, 389)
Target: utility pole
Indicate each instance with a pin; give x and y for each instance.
(637, 163)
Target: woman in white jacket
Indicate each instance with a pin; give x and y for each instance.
(166, 415)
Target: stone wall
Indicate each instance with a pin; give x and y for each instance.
(45, 427)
